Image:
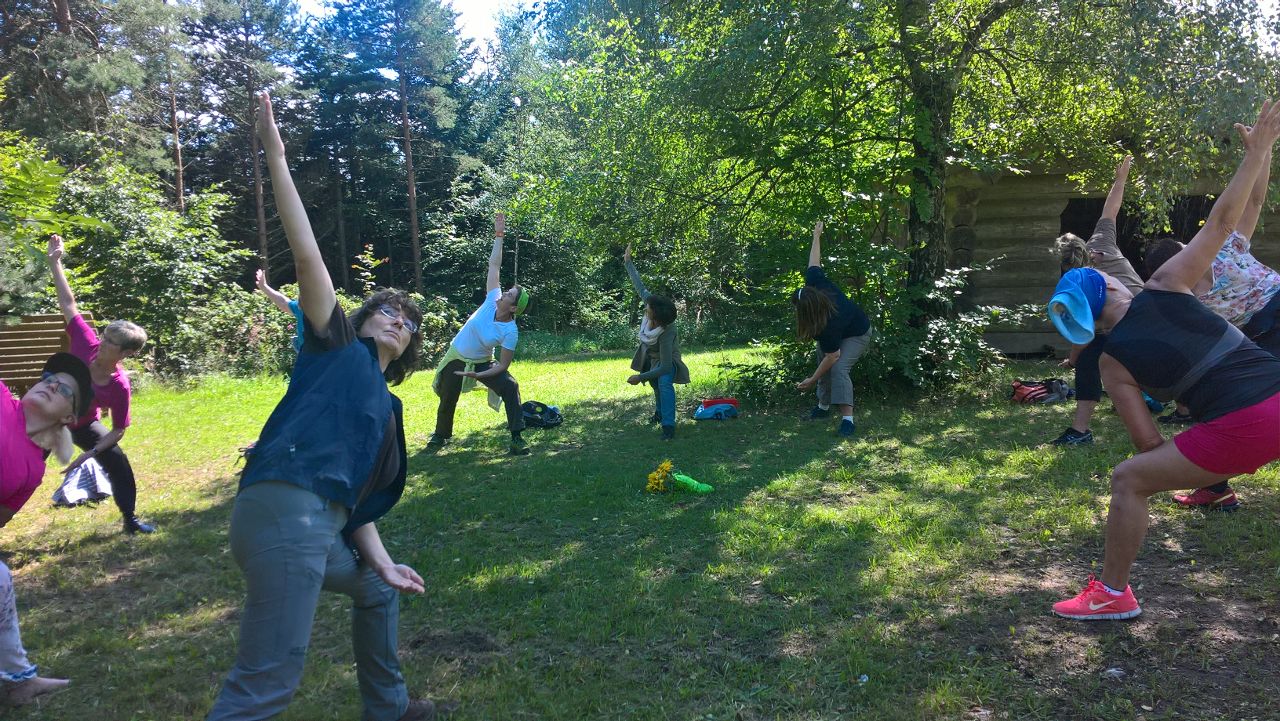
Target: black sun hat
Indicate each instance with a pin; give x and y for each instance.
(74, 367)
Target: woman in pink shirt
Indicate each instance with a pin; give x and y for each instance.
(120, 340)
(29, 429)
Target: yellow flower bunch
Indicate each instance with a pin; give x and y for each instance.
(658, 479)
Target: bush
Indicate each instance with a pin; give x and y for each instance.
(243, 333)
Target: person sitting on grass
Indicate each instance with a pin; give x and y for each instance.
(842, 332)
(470, 355)
(657, 358)
(283, 302)
(1103, 253)
(329, 463)
(1165, 341)
(1246, 293)
(30, 429)
(112, 392)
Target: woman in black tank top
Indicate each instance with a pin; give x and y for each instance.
(1165, 341)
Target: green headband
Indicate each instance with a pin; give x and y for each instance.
(523, 302)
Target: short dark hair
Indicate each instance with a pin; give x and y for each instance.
(662, 309)
(402, 367)
(1159, 252)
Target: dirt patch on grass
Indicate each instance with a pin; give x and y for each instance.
(468, 646)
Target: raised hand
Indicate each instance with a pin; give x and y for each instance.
(1264, 132)
(260, 280)
(268, 133)
(817, 230)
(1122, 170)
(626, 254)
(55, 248)
(499, 225)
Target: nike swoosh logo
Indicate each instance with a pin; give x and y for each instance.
(1096, 606)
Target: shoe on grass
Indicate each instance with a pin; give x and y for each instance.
(1153, 405)
(818, 414)
(655, 419)
(132, 525)
(1095, 603)
(435, 443)
(668, 433)
(847, 428)
(1177, 419)
(1072, 437)
(1209, 500)
(24, 692)
(519, 447)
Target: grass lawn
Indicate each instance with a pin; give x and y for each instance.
(906, 574)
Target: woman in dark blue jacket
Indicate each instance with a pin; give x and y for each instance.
(329, 463)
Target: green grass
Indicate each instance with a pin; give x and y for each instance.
(922, 556)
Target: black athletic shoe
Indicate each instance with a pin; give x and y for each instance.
(818, 414)
(133, 525)
(436, 442)
(1177, 419)
(655, 419)
(1072, 437)
(668, 433)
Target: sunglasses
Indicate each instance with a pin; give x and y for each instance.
(394, 314)
(63, 388)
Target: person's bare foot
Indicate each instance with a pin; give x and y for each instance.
(25, 692)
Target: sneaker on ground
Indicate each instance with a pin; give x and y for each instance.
(668, 433)
(1072, 437)
(1177, 419)
(436, 442)
(847, 428)
(519, 447)
(819, 413)
(1095, 603)
(655, 419)
(1209, 500)
(1153, 405)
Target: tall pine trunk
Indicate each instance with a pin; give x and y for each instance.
(342, 225)
(178, 191)
(408, 166)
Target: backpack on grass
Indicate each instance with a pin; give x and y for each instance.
(541, 415)
(1049, 390)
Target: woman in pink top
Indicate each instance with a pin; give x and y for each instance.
(120, 340)
(29, 429)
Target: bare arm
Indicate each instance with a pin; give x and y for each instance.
(505, 357)
(280, 300)
(315, 287)
(1111, 208)
(1257, 198)
(1126, 396)
(1184, 269)
(398, 576)
(495, 256)
(66, 299)
(815, 250)
(103, 445)
(824, 365)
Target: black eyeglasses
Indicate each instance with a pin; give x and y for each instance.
(392, 313)
(63, 388)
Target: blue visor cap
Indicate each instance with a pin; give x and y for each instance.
(1076, 304)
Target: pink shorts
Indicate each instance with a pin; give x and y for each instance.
(1240, 442)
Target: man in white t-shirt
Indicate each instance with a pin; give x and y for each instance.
(470, 355)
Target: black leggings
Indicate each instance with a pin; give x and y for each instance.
(1088, 373)
(124, 488)
(451, 389)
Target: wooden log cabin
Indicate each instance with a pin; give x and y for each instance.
(1017, 217)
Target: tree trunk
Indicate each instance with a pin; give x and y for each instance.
(342, 226)
(259, 206)
(62, 15)
(408, 167)
(178, 192)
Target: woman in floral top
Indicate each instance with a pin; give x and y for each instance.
(1246, 293)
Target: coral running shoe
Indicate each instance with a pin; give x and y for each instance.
(1095, 603)
(1209, 500)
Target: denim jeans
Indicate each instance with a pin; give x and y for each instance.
(14, 665)
(286, 540)
(664, 398)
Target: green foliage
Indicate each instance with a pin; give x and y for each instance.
(151, 265)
